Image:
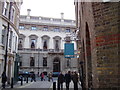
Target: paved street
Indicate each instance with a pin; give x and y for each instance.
(40, 84)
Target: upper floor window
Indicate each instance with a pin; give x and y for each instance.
(12, 14)
(56, 30)
(5, 8)
(57, 45)
(20, 44)
(33, 41)
(67, 30)
(33, 28)
(10, 39)
(45, 45)
(3, 34)
(21, 27)
(45, 29)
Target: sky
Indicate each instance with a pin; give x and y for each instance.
(49, 8)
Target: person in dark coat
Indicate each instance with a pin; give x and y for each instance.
(75, 80)
(67, 79)
(60, 81)
(4, 79)
(33, 77)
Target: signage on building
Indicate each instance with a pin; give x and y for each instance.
(69, 50)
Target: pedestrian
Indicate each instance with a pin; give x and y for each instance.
(42, 76)
(50, 76)
(33, 78)
(75, 80)
(60, 81)
(67, 79)
(4, 79)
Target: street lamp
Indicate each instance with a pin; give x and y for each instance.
(6, 49)
(38, 59)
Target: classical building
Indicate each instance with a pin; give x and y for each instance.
(9, 22)
(98, 41)
(41, 43)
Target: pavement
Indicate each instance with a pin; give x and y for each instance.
(38, 85)
(71, 86)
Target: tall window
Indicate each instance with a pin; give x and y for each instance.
(56, 45)
(20, 44)
(32, 43)
(3, 34)
(44, 61)
(10, 39)
(5, 8)
(32, 61)
(12, 14)
(45, 45)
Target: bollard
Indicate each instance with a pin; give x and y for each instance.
(27, 79)
(21, 80)
(58, 86)
(12, 82)
(54, 85)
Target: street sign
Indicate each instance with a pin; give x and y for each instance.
(69, 50)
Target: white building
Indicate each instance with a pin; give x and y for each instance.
(41, 43)
(9, 22)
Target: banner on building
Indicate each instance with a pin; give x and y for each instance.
(69, 50)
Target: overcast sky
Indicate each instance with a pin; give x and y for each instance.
(49, 8)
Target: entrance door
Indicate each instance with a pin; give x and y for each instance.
(56, 65)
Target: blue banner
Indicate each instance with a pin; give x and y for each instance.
(69, 50)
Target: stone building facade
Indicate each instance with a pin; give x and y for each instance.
(41, 44)
(9, 22)
(98, 29)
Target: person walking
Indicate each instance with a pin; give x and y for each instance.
(33, 78)
(4, 79)
(67, 79)
(42, 76)
(50, 76)
(60, 81)
(75, 80)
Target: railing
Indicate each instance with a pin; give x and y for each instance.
(40, 50)
(47, 20)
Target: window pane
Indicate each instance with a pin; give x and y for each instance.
(67, 30)
(21, 27)
(33, 28)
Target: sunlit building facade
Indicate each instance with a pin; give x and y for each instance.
(41, 44)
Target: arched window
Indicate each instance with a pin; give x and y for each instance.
(45, 45)
(45, 42)
(56, 45)
(33, 43)
(20, 45)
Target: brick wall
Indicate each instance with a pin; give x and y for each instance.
(107, 41)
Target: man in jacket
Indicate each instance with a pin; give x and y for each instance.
(67, 79)
(60, 81)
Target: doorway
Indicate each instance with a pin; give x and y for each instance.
(56, 64)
